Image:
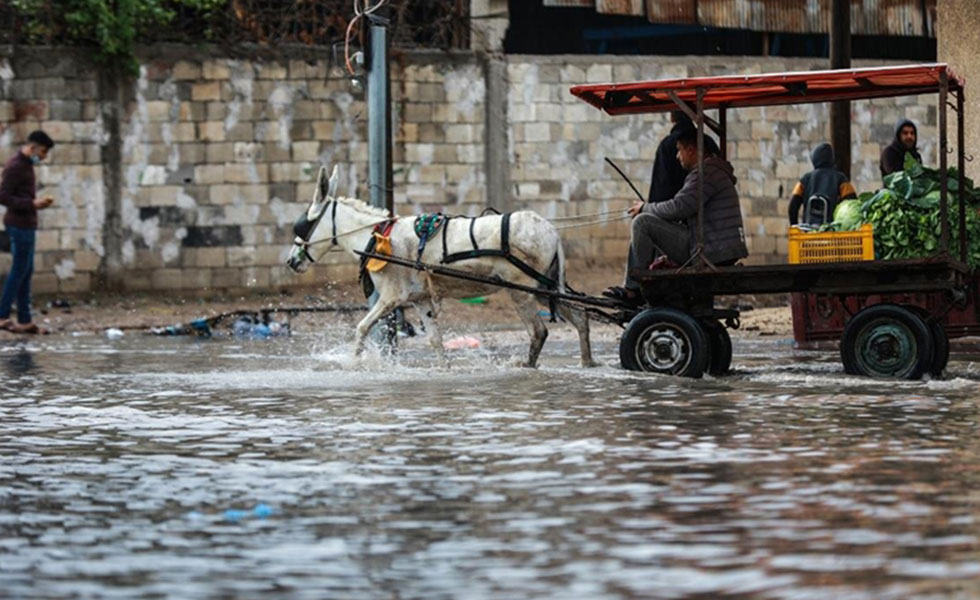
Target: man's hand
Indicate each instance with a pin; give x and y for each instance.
(637, 208)
(46, 201)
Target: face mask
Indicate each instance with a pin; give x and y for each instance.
(35, 159)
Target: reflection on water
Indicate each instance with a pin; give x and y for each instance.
(149, 468)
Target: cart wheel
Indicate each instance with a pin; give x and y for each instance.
(665, 340)
(885, 340)
(940, 349)
(720, 342)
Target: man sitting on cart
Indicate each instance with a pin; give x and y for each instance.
(667, 231)
(820, 190)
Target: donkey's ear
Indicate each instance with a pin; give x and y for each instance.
(334, 181)
(321, 180)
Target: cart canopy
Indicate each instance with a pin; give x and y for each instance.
(801, 87)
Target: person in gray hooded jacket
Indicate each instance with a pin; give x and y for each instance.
(669, 229)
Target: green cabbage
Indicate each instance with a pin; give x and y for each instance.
(847, 216)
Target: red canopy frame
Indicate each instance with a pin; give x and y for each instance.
(694, 95)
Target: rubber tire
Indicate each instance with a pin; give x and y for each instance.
(720, 361)
(940, 341)
(887, 314)
(682, 326)
(940, 349)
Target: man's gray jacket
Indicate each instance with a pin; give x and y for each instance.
(724, 234)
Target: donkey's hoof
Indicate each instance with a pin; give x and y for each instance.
(590, 364)
(521, 363)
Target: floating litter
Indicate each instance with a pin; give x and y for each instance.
(476, 300)
(461, 342)
(234, 515)
(113, 333)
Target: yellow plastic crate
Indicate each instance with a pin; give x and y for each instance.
(834, 246)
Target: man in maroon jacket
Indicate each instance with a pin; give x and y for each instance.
(18, 193)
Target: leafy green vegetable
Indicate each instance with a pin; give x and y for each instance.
(905, 214)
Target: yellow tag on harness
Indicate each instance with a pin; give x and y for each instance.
(382, 245)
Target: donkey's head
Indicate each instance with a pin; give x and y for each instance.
(316, 229)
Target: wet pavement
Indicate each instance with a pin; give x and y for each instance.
(175, 468)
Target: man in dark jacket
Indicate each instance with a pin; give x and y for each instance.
(668, 174)
(18, 193)
(906, 138)
(670, 228)
(823, 182)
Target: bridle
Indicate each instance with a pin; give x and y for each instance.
(304, 229)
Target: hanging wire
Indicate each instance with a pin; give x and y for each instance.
(362, 9)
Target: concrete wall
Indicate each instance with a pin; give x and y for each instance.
(959, 39)
(218, 154)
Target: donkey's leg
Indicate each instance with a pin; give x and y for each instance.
(383, 306)
(580, 320)
(429, 312)
(527, 308)
(431, 319)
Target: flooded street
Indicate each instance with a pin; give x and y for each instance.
(175, 468)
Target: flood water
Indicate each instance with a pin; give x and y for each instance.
(184, 469)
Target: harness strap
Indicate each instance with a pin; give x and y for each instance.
(445, 235)
(472, 236)
(333, 218)
(505, 232)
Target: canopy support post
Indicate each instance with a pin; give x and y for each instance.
(943, 149)
(960, 166)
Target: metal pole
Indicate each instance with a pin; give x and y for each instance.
(699, 250)
(960, 166)
(723, 132)
(840, 58)
(379, 142)
(379, 163)
(943, 144)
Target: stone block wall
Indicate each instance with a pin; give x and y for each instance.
(219, 154)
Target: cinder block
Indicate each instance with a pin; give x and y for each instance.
(255, 277)
(215, 69)
(78, 282)
(44, 283)
(219, 152)
(166, 279)
(211, 257)
(246, 172)
(270, 70)
(209, 174)
(186, 70)
(306, 151)
(206, 91)
(195, 279)
(211, 131)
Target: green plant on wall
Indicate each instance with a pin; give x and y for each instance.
(114, 27)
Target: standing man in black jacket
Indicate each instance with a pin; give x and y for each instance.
(18, 189)
(668, 174)
(906, 140)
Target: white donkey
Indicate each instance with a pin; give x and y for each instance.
(347, 223)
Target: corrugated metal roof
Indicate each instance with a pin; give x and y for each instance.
(868, 17)
(588, 3)
(635, 8)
